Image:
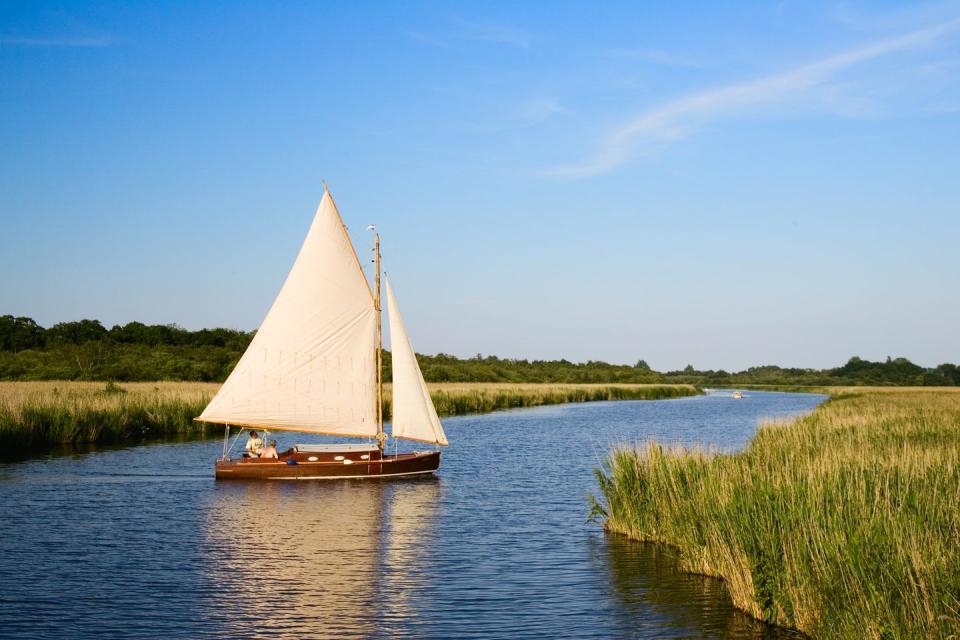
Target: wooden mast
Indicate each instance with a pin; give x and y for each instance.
(381, 436)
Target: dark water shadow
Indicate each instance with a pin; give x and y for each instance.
(76, 449)
(646, 575)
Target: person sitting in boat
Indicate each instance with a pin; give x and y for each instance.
(254, 445)
(270, 451)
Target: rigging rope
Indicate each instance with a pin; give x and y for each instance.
(235, 440)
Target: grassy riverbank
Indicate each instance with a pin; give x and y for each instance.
(35, 415)
(460, 398)
(843, 524)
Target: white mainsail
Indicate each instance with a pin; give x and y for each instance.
(311, 366)
(414, 416)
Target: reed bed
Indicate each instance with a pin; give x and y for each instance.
(36, 415)
(842, 524)
(845, 391)
(459, 398)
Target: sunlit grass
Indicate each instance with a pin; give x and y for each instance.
(844, 523)
(38, 414)
(458, 398)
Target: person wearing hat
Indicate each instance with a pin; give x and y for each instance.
(254, 445)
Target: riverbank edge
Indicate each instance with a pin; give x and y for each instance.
(57, 413)
(734, 571)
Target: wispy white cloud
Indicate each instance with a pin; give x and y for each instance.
(87, 43)
(910, 14)
(658, 127)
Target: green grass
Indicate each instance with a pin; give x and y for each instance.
(38, 415)
(842, 524)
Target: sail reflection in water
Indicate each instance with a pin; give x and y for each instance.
(295, 560)
(410, 547)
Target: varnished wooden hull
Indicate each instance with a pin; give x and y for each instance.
(299, 466)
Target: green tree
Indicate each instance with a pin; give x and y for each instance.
(76, 332)
(17, 334)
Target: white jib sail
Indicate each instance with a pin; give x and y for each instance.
(311, 366)
(413, 415)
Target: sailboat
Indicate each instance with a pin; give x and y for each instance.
(315, 366)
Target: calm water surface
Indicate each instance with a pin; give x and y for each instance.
(142, 542)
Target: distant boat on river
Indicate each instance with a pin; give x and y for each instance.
(315, 366)
(737, 395)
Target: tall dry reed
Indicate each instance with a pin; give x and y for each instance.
(34, 415)
(38, 414)
(843, 524)
(459, 398)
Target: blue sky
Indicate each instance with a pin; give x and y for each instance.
(723, 186)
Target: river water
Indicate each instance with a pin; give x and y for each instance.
(142, 542)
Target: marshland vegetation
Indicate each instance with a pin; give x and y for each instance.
(844, 523)
(34, 415)
(459, 398)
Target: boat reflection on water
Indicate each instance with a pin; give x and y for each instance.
(408, 560)
(646, 578)
(318, 559)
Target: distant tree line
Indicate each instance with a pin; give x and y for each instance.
(856, 372)
(86, 350)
